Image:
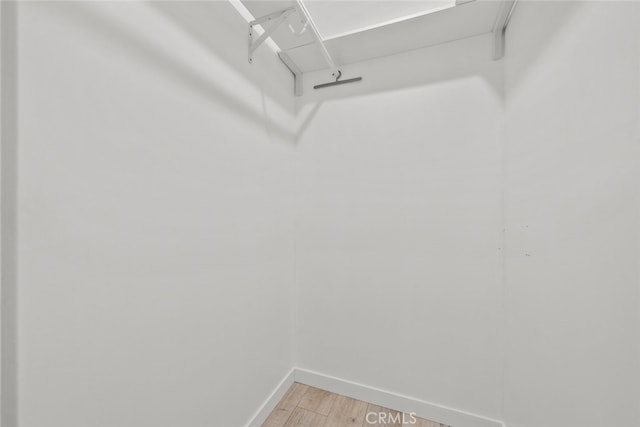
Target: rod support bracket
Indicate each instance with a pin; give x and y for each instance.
(295, 70)
(500, 28)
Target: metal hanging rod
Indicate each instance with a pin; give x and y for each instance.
(314, 29)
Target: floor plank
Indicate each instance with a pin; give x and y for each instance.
(317, 400)
(421, 422)
(346, 412)
(287, 405)
(303, 418)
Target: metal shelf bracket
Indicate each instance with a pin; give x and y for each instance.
(276, 19)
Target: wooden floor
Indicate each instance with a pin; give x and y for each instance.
(306, 406)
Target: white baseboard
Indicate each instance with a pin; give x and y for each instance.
(422, 409)
(272, 401)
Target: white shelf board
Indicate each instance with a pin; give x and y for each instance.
(465, 20)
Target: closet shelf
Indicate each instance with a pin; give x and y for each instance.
(291, 27)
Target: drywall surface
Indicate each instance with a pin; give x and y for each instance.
(571, 150)
(399, 227)
(154, 201)
(472, 239)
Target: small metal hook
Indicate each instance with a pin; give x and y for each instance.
(338, 81)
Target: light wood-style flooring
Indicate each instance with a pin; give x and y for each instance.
(306, 406)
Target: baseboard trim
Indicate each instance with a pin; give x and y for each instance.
(431, 411)
(272, 401)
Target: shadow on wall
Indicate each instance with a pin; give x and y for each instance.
(8, 138)
(304, 118)
(210, 61)
(228, 40)
(219, 28)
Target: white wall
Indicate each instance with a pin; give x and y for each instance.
(408, 198)
(155, 202)
(571, 150)
(399, 227)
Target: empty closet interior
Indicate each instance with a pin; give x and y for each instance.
(431, 207)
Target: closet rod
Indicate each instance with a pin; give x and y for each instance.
(323, 49)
